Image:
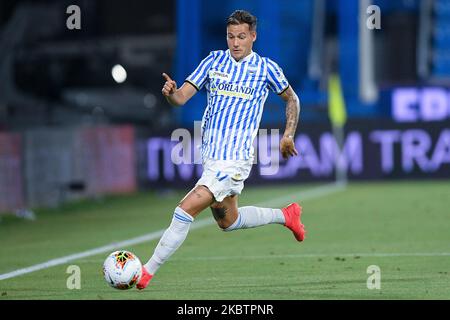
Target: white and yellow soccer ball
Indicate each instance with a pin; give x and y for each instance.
(122, 269)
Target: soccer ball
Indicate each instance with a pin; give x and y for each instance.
(122, 270)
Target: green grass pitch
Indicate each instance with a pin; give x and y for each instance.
(401, 227)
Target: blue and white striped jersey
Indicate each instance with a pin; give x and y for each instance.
(236, 92)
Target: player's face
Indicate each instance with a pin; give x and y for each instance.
(240, 40)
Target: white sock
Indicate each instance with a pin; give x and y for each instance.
(171, 240)
(251, 217)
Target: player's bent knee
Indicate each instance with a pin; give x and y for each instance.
(219, 212)
(224, 225)
(196, 201)
(227, 225)
(216, 205)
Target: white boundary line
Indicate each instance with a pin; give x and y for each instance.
(318, 255)
(297, 196)
(306, 255)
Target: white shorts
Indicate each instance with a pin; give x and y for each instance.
(225, 177)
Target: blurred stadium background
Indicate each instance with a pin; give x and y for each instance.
(82, 117)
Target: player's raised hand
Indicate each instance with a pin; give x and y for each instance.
(169, 87)
(287, 147)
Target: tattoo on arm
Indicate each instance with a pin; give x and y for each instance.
(292, 111)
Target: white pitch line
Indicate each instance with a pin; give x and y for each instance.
(318, 255)
(307, 255)
(297, 196)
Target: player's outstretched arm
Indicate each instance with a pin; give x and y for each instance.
(287, 146)
(177, 97)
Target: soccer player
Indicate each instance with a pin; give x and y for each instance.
(237, 81)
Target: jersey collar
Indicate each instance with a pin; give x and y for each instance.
(247, 58)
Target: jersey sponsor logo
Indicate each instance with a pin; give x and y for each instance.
(233, 90)
(214, 74)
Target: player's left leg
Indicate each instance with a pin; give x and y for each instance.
(229, 217)
(189, 207)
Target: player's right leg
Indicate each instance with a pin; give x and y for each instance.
(189, 207)
(229, 217)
